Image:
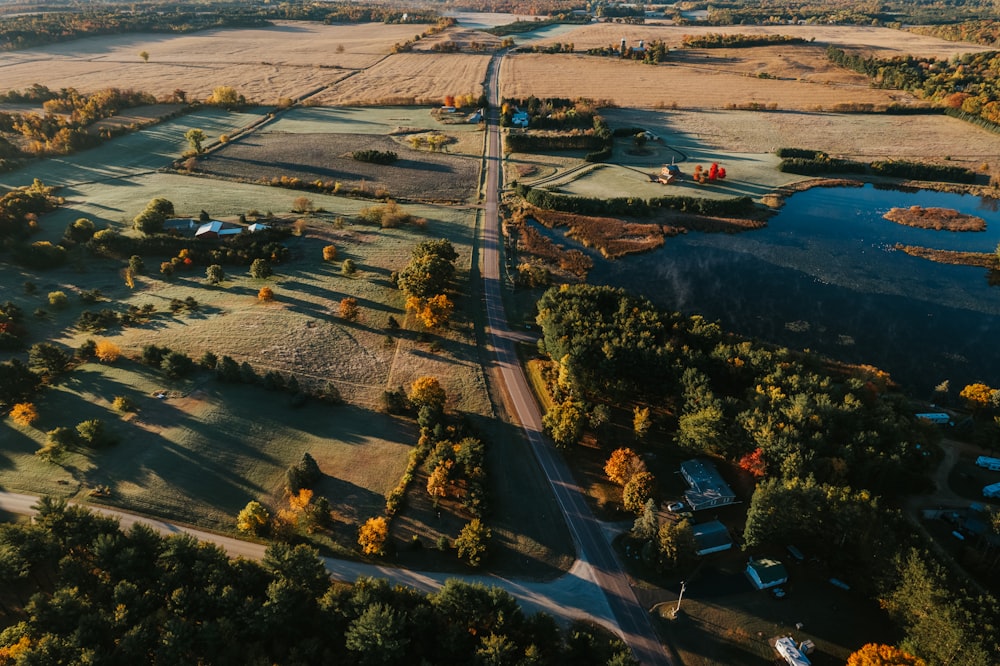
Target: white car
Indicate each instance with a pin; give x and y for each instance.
(676, 507)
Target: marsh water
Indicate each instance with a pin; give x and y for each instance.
(823, 275)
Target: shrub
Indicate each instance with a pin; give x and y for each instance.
(152, 355)
(349, 309)
(208, 361)
(303, 204)
(58, 299)
(107, 351)
(136, 265)
(122, 403)
(375, 156)
(94, 433)
(265, 295)
(214, 274)
(348, 267)
(260, 269)
(87, 350)
(24, 414)
(329, 253)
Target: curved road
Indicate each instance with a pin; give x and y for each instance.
(593, 549)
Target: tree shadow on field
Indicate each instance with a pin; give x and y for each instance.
(14, 442)
(352, 503)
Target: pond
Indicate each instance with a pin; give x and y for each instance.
(823, 275)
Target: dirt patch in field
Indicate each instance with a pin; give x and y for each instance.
(411, 78)
(467, 39)
(939, 219)
(422, 176)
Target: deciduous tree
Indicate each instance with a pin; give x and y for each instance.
(329, 253)
(564, 422)
(472, 542)
(24, 413)
(215, 274)
(253, 518)
(427, 391)
(265, 295)
(638, 490)
(372, 535)
(349, 309)
(677, 544)
(260, 269)
(622, 465)
(195, 137)
(876, 654)
(641, 422)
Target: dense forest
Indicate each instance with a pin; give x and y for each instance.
(76, 589)
(832, 448)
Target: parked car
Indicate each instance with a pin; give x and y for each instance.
(676, 507)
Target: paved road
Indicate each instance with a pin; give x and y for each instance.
(593, 549)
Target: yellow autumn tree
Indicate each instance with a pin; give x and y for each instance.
(437, 483)
(427, 391)
(977, 395)
(432, 312)
(300, 501)
(107, 351)
(372, 535)
(253, 518)
(875, 654)
(24, 414)
(622, 465)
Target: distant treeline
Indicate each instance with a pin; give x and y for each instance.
(23, 31)
(812, 162)
(518, 27)
(716, 40)
(635, 206)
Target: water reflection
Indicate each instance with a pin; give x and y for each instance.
(824, 275)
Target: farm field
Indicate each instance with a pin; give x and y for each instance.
(314, 143)
(132, 154)
(410, 78)
(264, 64)
(744, 143)
(699, 86)
(881, 42)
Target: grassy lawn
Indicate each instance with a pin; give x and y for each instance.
(200, 454)
(132, 154)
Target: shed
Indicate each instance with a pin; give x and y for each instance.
(707, 487)
(217, 229)
(711, 537)
(766, 573)
(182, 224)
(257, 226)
(520, 118)
(992, 490)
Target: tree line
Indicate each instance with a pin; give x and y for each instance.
(809, 162)
(76, 588)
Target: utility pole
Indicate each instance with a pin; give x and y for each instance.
(678, 609)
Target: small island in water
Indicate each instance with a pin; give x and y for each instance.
(940, 219)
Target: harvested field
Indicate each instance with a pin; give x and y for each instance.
(865, 137)
(285, 60)
(417, 175)
(882, 42)
(142, 115)
(410, 78)
(465, 38)
(705, 84)
(940, 219)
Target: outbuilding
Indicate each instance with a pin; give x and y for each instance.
(711, 537)
(765, 573)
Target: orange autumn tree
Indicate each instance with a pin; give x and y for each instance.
(265, 295)
(24, 413)
(874, 654)
(623, 464)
